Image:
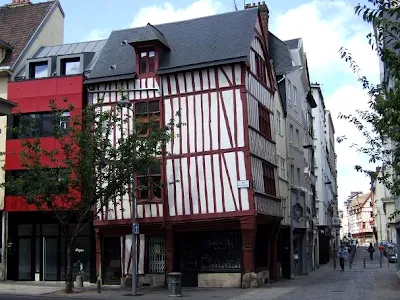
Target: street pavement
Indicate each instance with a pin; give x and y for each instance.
(357, 283)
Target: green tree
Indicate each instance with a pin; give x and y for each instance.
(86, 173)
(380, 124)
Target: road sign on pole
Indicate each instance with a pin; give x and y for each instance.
(135, 228)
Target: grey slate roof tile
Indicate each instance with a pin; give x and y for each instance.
(280, 55)
(293, 44)
(195, 42)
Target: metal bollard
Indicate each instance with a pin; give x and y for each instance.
(334, 263)
(79, 281)
(99, 285)
(364, 262)
(350, 262)
(380, 263)
(388, 262)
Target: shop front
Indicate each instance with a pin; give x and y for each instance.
(36, 249)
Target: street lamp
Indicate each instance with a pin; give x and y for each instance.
(125, 103)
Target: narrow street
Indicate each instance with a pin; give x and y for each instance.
(327, 283)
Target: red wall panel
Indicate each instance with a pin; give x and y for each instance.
(35, 96)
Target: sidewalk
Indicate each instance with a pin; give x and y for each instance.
(357, 283)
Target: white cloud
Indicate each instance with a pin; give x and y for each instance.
(97, 34)
(165, 13)
(325, 27)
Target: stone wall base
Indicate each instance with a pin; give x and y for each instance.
(219, 280)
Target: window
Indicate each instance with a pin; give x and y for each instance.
(156, 255)
(39, 125)
(278, 123)
(39, 70)
(298, 176)
(55, 179)
(261, 68)
(282, 168)
(297, 138)
(291, 133)
(292, 174)
(289, 91)
(147, 117)
(264, 121)
(70, 66)
(295, 96)
(149, 185)
(269, 180)
(147, 62)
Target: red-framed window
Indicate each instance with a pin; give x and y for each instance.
(261, 69)
(147, 114)
(264, 121)
(149, 184)
(147, 61)
(269, 179)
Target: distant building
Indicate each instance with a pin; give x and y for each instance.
(360, 210)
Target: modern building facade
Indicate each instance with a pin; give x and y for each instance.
(36, 247)
(43, 25)
(217, 220)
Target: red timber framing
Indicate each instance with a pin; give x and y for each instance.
(202, 165)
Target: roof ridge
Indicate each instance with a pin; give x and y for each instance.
(30, 5)
(65, 44)
(188, 20)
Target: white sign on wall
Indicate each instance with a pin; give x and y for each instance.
(242, 184)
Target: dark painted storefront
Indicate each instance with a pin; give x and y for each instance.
(36, 249)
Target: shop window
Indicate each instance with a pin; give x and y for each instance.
(39, 69)
(39, 125)
(147, 117)
(149, 185)
(70, 66)
(156, 255)
(264, 121)
(269, 180)
(147, 62)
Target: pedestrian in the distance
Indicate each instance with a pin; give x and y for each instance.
(371, 251)
(381, 249)
(342, 254)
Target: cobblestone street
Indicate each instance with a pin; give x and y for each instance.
(327, 283)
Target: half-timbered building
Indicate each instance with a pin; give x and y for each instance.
(217, 217)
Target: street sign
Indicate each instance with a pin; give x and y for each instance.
(242, 184)
(135, 228)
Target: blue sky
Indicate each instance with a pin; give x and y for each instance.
(325, 25)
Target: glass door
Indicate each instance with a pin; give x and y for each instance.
(25, 259)
(50, 258)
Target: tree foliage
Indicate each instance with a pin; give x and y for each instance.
(88, 171)
(380, 124)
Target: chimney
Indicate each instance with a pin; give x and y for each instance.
(264, 16)
(20, 2)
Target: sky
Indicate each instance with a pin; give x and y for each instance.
(324, 25)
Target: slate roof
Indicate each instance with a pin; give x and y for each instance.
(293, 44)
(17, 34)
(198, 42)
(150, 33)
(280, 55)
(94, 47)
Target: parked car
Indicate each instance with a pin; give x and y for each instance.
(391, 252)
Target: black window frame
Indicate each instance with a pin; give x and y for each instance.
(63, 65)
(32, 68)
(39, 131)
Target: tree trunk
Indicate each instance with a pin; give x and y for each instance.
(69, 283)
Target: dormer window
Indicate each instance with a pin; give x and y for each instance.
(70, 66)
(147, 62)
(39, 70)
